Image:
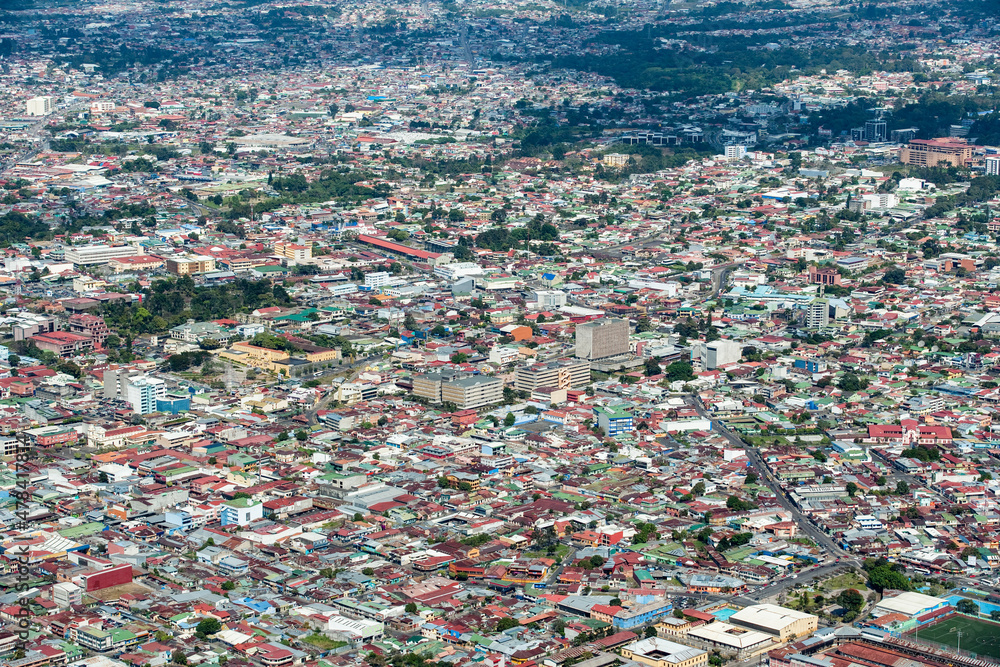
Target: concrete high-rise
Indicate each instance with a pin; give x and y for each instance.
(818, 315)
(602, 339)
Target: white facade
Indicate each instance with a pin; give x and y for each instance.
(546, 299)
(458, 270)
(39, 106)
(141, 393)
(722, 352)
(993, 165)
(735, 153)
(98, 254)
(377, 279)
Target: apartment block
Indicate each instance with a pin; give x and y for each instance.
(559, 374)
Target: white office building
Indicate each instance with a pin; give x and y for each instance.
(99, 254)
(546, 299)
(735, 153)
(457, 270)
(40, 106)
(993, 165)
(141, 393)
(377, 279)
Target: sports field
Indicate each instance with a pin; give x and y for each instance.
(978, 637)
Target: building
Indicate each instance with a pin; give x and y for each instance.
(616, 160)
(472, 392)
(293, 251)
(559, 374)
(657, 652)
(65, 594)
(30, 324)
(602, 339)
(188, 265)
(241, 512)
(728, 638)
(63, 343)
(86, 255)
(721, 353)
(135, 263)
(949, 151)
(377, 279)
(465, 391)
(90, 325)
(143, 392)
(875, 131)
(909, 604)
(735, 152)
(548, 299)
(39, 106)
(818, 314)
(823, 275)
(614, 420)
(993, 165)
(785, 624)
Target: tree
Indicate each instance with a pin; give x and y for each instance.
(228, 586)
(506, 624)
(650, 631)
(967, 606)
(301, 436)
(652, 367)
(851, 600)
(103, 478)
(411, 608)
(459, 358)
(850, 382)
(902, 488)
(208, 626)
(895, 276)
(852, 488)
(368, 572)
(680, 370)
(178, 658)
(509, 419)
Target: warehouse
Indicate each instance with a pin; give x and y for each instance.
(909, 604)
(785, 624)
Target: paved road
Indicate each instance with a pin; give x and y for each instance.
(804, 524)
(37, 130)
(355, 369)
(719, 276)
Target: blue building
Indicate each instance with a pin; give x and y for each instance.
(614, 420)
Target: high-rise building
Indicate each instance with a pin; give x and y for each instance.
(559, 374)
(875, 131)
(993, 165)
(39, 106)
(721, 352)
(735, 153)
(141, 393)
(602, 339)
(818, 315)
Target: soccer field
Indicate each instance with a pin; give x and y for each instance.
(978, 637)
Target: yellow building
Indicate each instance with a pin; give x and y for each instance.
(785, 624)
(189, 265)
(253, 355)
(293, 251)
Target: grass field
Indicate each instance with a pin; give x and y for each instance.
(978, 637)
